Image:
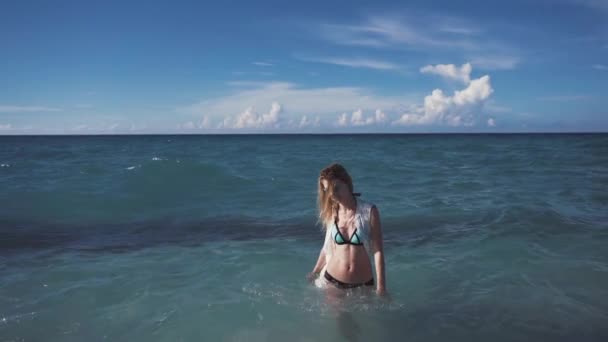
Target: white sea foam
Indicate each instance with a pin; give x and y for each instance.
(156, 158)
(5, 165)
(133, 167)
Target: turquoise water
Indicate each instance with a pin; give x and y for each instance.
(189, 238)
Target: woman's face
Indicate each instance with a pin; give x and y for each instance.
(337, 189)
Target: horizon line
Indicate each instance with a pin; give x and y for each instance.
(293, 133)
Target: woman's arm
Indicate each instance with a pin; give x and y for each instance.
(378, 250)
(320, 262)
(318, 267)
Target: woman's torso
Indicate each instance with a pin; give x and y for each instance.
(350, 263)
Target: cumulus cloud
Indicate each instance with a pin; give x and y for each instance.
(251, 119)
(5, 126)
(223, 112)
(380, 117)
(358, 118)
(205, 123)
(305, 122)
(345, 107)
(343, 120)
(491, 122)
(190, 125)
(455, 110)
(450, 71)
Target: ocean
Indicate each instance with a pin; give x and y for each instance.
(498, 237)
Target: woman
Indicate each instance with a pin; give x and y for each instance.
(352, 235)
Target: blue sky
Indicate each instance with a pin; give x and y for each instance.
(76, 67)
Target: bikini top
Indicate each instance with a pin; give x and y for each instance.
(339, 238)
(361, 235)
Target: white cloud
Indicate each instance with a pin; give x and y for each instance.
(600, 67)
(251, 119)
(478, 90)
(491, 122)
(412, 31)
(456, 29)
(187, 125)
(358, 118)
(450, 71)
(247, 84)
(5, 126)
(205, 123)
(354, 107)
(18, 109)
(491, 107)
(459, 109)
(317, 122)
(255, 73)
(305, 122)
(354, 62)
(222, 111)
(379, 116)
(393, 31)
(343, 120)
(263, 64)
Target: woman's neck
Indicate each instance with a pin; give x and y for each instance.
(349, 205)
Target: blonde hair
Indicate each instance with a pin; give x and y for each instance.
(328, 208)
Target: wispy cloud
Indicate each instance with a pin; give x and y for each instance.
(413, 32)
(491, 107)
(20, 109)
(263, 64)
(498, 62)
(594, 4)
(395, 32)
(353, 62)
(462, 30)
(255, 73)
(247, 84)
(296, 99)
(600, 67)
(564, 98)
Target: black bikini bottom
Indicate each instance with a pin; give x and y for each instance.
(342, 285)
